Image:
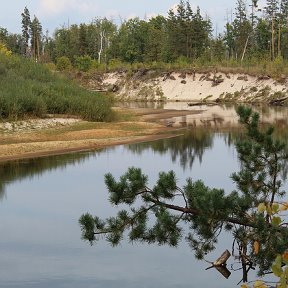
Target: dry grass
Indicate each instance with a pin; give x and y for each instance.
(77, 136)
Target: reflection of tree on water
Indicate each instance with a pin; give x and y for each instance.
(22, 169)
(186, 148)
(281, 133)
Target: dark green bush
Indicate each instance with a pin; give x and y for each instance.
(83, 63)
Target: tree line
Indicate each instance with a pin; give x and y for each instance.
(184, 35)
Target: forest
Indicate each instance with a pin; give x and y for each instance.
(185, 36)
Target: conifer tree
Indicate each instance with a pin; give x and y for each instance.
(206, 211)
(271, 10)
(242, 29)
(36, 38)
(26, 27)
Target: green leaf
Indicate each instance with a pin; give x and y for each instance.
(275, 207)
(276, 220)
(277, 270)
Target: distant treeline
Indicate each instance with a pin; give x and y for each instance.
(184, 35)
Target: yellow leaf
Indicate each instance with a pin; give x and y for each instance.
(244, 286)
(284, 206)
(259, 284)
(256, 247)
(269, 210)
(261, 207)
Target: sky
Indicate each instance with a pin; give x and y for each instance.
(56, 13)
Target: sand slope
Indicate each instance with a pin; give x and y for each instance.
(197, 87)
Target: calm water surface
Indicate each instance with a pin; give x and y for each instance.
(42, 200)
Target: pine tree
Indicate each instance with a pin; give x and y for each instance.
(271, 10)
(242, 29)
(83, 39)
(36, 38)
(26, 27)
(206, 211)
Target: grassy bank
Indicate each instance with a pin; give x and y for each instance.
(31, 90)
(276, 69)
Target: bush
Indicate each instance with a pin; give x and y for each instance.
(63, 64)
(83, 63)
(30, 89)
(4, 50)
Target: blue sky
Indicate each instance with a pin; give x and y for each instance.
(55, 13)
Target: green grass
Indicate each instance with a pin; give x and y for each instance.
(32, 90)
(252, 66)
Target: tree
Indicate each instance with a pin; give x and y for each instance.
(155, 39)
(206, 211)
(131, 41)
(242, 29)
(271, 10)
(83, 37)
(36, 38)
(26, 26)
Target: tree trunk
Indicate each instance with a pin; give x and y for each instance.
(101, 46)
(244, 51)
(272, 39)
(279, 40)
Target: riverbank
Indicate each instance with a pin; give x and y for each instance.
(57, 135)
(54, 136)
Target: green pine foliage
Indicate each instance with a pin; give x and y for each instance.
(30, 89)
(152, 215)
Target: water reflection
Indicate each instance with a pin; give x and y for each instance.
(21, 169)
(184, 149)
(40, 241)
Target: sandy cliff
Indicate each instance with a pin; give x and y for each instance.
(192, 87)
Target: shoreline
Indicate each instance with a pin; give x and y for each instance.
(85, 148)
(82, 136)
(141, 125)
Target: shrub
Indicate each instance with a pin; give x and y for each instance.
(4, 50)
(30, 89)
(63, 64)
(83, 63)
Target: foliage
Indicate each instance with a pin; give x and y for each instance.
(206, 211)
(36, 37)
(30, 89)
(63, 64)
(249, 40)
(26, 26)
(4, 50)
(83, 63)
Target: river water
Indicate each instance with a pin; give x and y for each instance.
(42, 200)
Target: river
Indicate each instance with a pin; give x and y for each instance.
(42, 200)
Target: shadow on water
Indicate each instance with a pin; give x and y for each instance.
(22, 169)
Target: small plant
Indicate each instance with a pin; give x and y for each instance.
(253, 89)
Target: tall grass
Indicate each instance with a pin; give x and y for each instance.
(30, 89)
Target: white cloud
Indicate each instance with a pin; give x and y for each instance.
(173, 8)
(56, 7)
